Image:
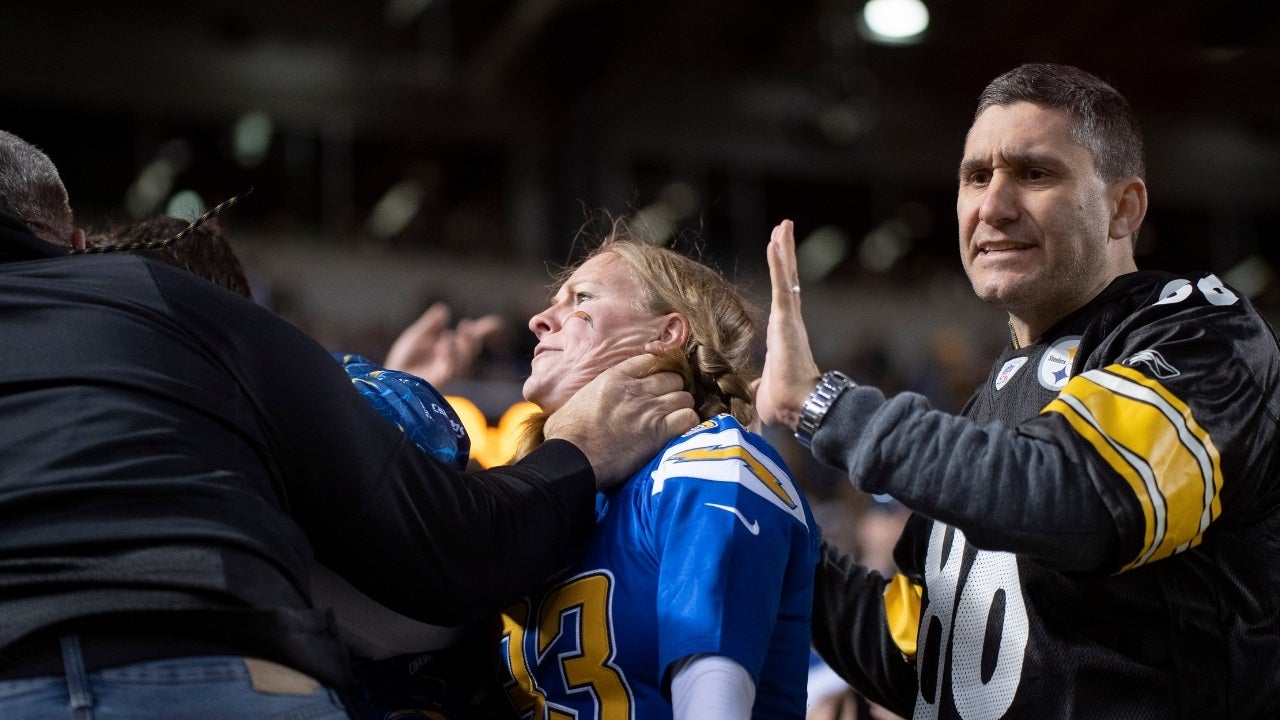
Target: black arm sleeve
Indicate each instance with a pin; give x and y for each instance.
(463, 545)
(851, 633)
(421, 538)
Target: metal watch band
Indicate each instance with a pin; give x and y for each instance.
(815, 406)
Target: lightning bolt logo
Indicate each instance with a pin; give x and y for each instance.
(735, 452)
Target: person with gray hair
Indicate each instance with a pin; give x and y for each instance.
(32, 191)
(1097, 533)
(177, 460)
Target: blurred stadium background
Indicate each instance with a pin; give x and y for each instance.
(403, 151)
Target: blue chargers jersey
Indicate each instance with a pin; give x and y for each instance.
(411, 404)
(710, 549)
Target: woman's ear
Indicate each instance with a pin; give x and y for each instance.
(673, 332)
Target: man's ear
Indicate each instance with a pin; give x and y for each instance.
(78, 238)
(1129, 208)
(672, 333)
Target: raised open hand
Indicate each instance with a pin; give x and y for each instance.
(790, 372)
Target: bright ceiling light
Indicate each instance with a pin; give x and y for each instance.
(895, 21)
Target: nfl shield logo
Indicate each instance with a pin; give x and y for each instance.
(1009, 370)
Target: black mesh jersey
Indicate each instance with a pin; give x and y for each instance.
(1145, 423)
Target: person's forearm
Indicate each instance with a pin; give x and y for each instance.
(1005, 489)
(466, 544)
(418, 536)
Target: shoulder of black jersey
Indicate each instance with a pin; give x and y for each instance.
(1200, 310)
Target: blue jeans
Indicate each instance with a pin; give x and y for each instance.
(212, 688)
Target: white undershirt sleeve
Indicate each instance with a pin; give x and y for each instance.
(711, 686)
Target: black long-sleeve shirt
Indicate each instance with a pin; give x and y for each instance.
(168, 445)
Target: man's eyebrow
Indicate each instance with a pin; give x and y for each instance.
(1014, 160)
(1030, 159)
(969, 166)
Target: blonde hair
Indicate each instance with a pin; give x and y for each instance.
(715, 360)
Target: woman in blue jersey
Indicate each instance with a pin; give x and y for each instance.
(693, 597)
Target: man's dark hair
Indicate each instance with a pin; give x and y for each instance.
(204, 251)
(1101, 119)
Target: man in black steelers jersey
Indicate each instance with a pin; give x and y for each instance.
(1097, 534)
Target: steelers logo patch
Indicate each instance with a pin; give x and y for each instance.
(1055, 364)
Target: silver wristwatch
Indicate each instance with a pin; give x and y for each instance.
(818, 403)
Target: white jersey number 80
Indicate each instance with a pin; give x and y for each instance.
(990, 606)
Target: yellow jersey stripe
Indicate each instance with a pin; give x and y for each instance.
(1136, 472)
(902, 613)
(1149, 437)
(1195, 438)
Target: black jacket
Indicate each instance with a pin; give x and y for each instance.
(176, 453)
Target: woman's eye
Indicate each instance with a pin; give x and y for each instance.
(580, 297)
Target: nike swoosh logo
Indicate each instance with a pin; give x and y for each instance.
(752, 527)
